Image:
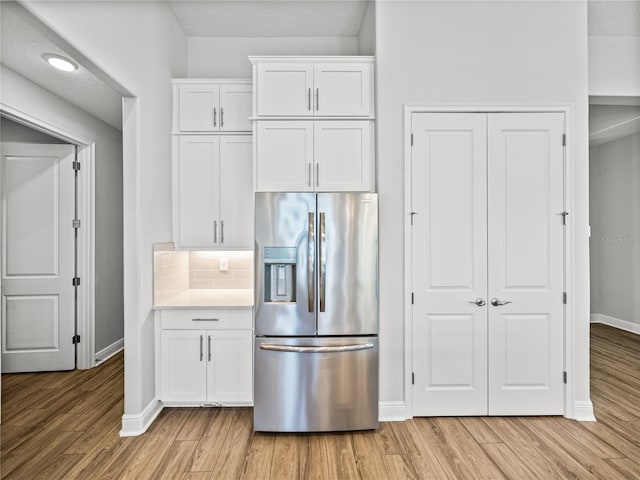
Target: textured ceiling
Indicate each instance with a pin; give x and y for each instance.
(269, 18)
(22, 48)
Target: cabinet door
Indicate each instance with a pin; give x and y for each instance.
(197, 191)
(235, 108)
(285, 88)
(198, 109)
(236, 191)
(229, 366)
(343, 156)
(285, 156)
(183, 367)
(342, 89)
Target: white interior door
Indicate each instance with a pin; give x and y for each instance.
(38, 195)
(526, 263)
(450, 264)
(488, 195)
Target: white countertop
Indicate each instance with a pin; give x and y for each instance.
(199, 298)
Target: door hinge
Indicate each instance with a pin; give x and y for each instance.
(411, 298)
(75, 223)
(413, 378)
(412, 139)
(76, 281)
(564, 297)
(564, 377)
(564, 217)
(564, 139)
(75, 339)
(76, 166)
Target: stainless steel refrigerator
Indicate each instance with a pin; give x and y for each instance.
(316, 312)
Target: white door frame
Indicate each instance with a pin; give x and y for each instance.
(569, 319)
(86, 234)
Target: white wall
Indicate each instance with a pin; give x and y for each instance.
(475, 53)
(227, 57)
(16, 132)
(28, 98)
(614, 66)
(367, 34)
(140, 46)
(615, 229)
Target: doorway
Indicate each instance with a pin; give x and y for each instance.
(487, 263)
(38, 299)
(19, 128)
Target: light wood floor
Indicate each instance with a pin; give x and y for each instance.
(65, 425)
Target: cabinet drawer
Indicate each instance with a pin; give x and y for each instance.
(216, 319)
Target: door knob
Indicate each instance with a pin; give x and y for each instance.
(497, 303)
(479, 302)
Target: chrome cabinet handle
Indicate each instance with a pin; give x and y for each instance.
(205, 319)
(309, 99)
(201, 354)
(215, 231)
(317, 99)
(316, 349)
(311, 260)
(214, 116)
(478, 301)
(209, 346)
(317, 174)
(221, 231)
(322, 262)
(309, 168)
(497, 303)
(221, 117)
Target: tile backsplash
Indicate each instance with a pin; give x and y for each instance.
(177, 271)
(204, 269)
(170, 272)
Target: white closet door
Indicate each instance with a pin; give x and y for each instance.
(450, 264)
(526, 262)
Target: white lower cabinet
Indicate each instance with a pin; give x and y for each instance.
(207, 365)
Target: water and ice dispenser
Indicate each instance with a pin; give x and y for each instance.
(280, 274)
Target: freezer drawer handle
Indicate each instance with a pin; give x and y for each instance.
(314, 349)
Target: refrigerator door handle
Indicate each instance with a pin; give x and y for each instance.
(316, 349)
(310, 261)
(322, 262)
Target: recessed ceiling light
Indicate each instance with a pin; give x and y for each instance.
(60, 63)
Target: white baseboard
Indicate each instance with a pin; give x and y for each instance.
(392, 411)
(583, 411)
(110, 351)
(133, 425)
(615, 322)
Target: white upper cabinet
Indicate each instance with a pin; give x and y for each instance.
(212, 106)
(285, 89)
(212, 191)
(313, 86)
(342, 89)
(308, 156)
